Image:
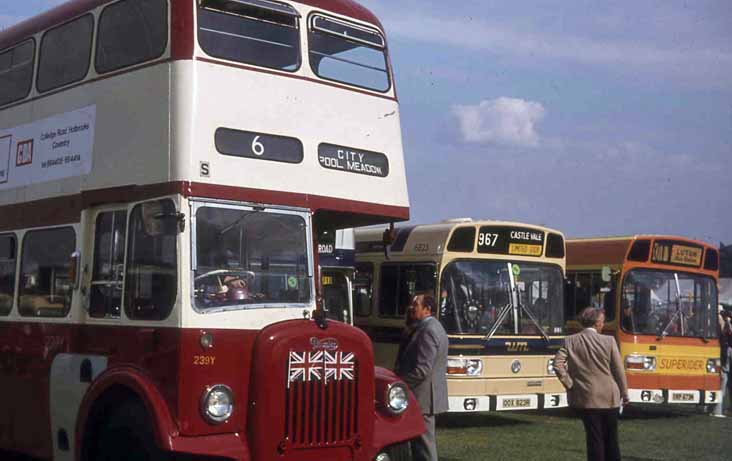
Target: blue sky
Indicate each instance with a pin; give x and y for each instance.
(597, 118)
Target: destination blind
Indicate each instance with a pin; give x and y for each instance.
(677, 254)
(516, 241)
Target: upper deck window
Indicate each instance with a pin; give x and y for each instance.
(65, 53)
(131, 32)
(348, 53)
(16, 72)
(259, 32)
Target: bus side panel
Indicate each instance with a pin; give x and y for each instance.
(34, 346)
(227, 362)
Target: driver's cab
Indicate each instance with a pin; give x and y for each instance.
(336, 257)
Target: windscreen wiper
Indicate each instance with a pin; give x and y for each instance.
(241, 219)
(533, 319)
(515, 306)
(678, 314)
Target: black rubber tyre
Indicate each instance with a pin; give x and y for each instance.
(126, 435)
(400, 452)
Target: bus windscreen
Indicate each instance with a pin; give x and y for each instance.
(475, 294)
(667, 303)
(250, 258)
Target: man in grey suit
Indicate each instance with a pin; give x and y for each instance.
(590, 368)
(422, 364)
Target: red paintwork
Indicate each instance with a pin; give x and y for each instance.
(66, 210)
(139, 381)
(675, 382)
(181, 18)
(182, 36)
(158, 365)
(587, 252)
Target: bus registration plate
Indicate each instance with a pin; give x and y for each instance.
(683, 396)
(517, 402)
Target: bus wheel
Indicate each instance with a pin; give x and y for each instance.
(400, 452)
(127, 435)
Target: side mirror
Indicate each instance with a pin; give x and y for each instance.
(74, 264)
(607, 274)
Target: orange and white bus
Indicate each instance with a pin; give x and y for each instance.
(500, 288)
(165, 169)
(659, 294)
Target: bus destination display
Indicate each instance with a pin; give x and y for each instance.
(669, 252)
(260, 146)
(511, 241)
(353, 160)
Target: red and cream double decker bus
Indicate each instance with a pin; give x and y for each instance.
(660, 299)
(165, 168)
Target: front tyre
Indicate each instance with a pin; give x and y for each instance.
(399, 452)
(127, 435)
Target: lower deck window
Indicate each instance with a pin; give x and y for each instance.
(7, 273)
(151, 280)
(45, 285)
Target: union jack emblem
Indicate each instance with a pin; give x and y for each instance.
(320, 365)
(338, 366)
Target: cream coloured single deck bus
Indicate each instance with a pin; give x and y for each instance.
(166, 168)
(499, 287)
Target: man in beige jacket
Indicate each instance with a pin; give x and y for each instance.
(590, 368)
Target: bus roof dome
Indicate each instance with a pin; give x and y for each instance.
(346, 8)
(457, 220)
(72, 8)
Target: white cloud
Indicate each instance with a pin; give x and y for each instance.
(505, 121)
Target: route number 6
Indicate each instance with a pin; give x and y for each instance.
(257, 147)
(487, 239)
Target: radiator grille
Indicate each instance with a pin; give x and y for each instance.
(319, 413)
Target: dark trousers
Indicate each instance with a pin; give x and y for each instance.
(424, 448)
(601, 431)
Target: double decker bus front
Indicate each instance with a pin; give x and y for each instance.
(502, 307)
(193, 214)
(668, 331)
(294, 136)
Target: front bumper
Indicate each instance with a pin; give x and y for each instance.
(484, 403)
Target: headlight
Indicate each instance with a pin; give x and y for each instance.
(640, 362)
(383, 457)
(217, 403)
(714, 365)
(550, 367)
(464, 367)
(397, 398)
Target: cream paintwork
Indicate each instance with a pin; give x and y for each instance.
(157, 124)
(66, 394)
(141, 139)
(496, 379)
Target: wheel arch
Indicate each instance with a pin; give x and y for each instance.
(112, 388)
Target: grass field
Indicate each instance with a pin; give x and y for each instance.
(648, 433)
